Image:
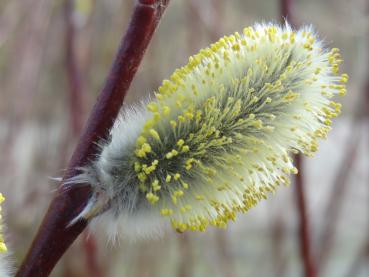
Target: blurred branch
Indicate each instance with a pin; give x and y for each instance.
(146, 262)
(185, 267)
(54, 237)
(90, 248)
(278, 231)
(76, 111)
(304, 226)
(226, 266)
(286, 8)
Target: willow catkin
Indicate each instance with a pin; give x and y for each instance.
(217, 137)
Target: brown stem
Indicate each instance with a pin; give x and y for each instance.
(286, 7)
(54, 237)
(304, 228)
(226, 266)
(278, 238)
(90, 249)
(185, 267)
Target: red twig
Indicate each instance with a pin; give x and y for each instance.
(226, 265)
(286, 7)
(90, 248)
(304, 224)
(54, 237)
(304, 228)
(278, 238)
(185, 267)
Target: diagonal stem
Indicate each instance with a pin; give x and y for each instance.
(54, 237)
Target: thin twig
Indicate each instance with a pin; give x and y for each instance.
(185, 267)
(278, 231)
(300, 195)
(226, 265)
(286, 7)
(90, 249)
(54, 237)
(304, 228)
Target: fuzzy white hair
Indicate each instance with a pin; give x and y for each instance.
(217, 137)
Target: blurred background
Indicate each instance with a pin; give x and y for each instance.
(54, 58)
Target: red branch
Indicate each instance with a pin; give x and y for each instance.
(54, 237)
(304, 228)
(286, 11)
(89, 246)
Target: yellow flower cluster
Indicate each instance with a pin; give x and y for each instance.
(222, 128)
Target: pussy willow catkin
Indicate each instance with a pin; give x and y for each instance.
(217, 137)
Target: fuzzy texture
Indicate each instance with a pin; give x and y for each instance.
(217, 137)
